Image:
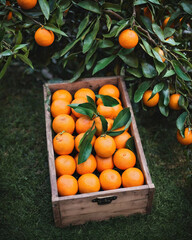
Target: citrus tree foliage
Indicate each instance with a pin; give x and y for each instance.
(86, 44)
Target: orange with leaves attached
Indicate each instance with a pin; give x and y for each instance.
(88, 182)
(83, 124)
(78, 101)
(84, 92)
(128, 39)
(27, 4)
(147, 13)
(160, 52)
(165, 23)
(110, 90)
(78, 139)
(187, 140)
(174, 101)
(99, 127)
(153, 101)
(67, 185)
(44, 37)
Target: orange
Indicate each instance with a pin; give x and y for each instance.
(187, 140)
(65, 165)
(88, 182)
(121, 139)
(63, 122)
(107, 112)
(104, 146)
(27, 4)
(73, 116)
(78, 101)
(128, 39)
(9, 16)
(174, 101)
(63, 143)
(109, 89)
(104, 163)
(44, 37)
(83, 124)
(67, 185)
(153, 101)
(110, 179)
(99, 127)
(60, 106)
(132, 177)
(78, 139)
(116, 110)
(62, 94)
(147, 13)
(84, 92)
(121, 129)
(165, 23)
(124, 158)
(88, 166)
(160, 52)
(99, 100)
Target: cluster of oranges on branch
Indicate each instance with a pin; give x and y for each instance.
(110, 163)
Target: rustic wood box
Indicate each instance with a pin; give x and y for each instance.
(102, 205)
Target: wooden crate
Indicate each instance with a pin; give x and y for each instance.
(102, 205)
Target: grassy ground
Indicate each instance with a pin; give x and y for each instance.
(25, 198)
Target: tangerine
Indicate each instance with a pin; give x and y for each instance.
(99, 127)
(63, 122)
(27, 4)
(165, 23)
(128, 39)
(63, 143)
(174, 101)
(88, 182)
(132, 177)
(88, 166)
(124, 158)
(106, 111)
(99, 100)
(60, 106)
(110, 179)
(153, 101)
(116, 110)
(160, 52)
(78, 101)
(84, 92)
(121, 139)
(110, 90)
(83, 124)
(104, 146)
(44, 37)
(62, 94)
(65, 165)
(67, 185)
(187, 140)
(104, 163)
(78, 139)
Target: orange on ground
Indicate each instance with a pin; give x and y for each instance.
(60, 107)
(63, 143)
(78, 139)
(83, 124)
(78, 101)
(165, 23)
(63, 122)
(147, 13)
(62, 94)
(153, 101)
(104, 163)
(65, 165)
(99, 127)
(109, 89)
(110, 179)
(187, 140)
(67, 185)
(128, 39)
(121, 139)
(84, 92)
(99, 100)
(132, 177)
(107, 112)
(174, 101)
(116, 110)
(160, 52)
(27, 4)
(88, 166)
(44, 37)
(104, 146)
(124, 158)
(88, 182)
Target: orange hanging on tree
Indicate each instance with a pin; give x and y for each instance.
(44, 37)
(128, 39)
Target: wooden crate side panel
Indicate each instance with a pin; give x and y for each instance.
(135, 133)
(81, 219)
(56, 213)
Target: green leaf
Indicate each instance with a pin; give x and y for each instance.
(131, 60)
(147, 22)
(135, 72)
(159, 66)
(105, 43)
(140, 91)
(6, 53)
(157, 56)
(103, 63)
(168, 32)
(104, 124)
(155, 2)
(19, 38)
(91, 101)
(148, 70)
(180, 122)
(90, 6)
(180, 54)
(91, 52)
(166, 94)
(108, 21)
(147, 47)
(139, 2)
(108, 100)
(91, 62)
(86, 147)
(169, 73)
(44, 8)
(56, 30)
(180, 72)
(183, 102)
(122, 26)
(68, 47)
(80, 108)
(3, 2)
(187, 6)
(130, 144)
(82, 25)
(4, 69)
(26, 60)
(91, 37)
(20, 46)
(162, 108)
(171, 42)
(122, 119)
(114, 133)
(78, 73)
(112, 6)
(158, 31)
(112, 33)
(157, 88)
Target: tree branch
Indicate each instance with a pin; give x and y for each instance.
(114, 14)
(147, 35)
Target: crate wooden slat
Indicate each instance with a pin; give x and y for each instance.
(80, 208)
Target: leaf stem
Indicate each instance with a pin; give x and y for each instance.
(114, 14)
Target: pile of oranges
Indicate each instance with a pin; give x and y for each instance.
(110, 164)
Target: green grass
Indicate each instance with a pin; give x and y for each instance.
(25, 197)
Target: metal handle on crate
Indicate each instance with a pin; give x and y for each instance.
(104, 200)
